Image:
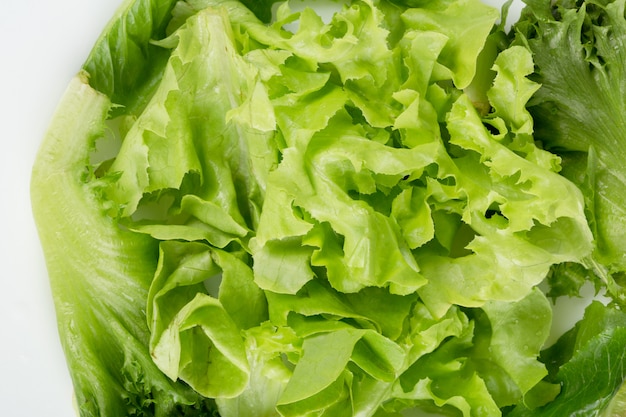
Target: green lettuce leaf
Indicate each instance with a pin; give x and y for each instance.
(464, 24)
(502, 193)
(589, 364)
(579, 53)
(89, 259)
(182, 313)
(124, 64)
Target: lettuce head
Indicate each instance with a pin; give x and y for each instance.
(248, 210)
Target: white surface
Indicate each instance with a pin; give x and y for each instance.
(44, 44)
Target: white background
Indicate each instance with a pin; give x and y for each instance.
(44, 43)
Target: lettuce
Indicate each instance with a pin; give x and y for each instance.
(588, 362)
(90, 259)
(348, 218)
(578, 51)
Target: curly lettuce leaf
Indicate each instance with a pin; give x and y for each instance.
(464, 24)
(182, 313)
(495, 354)
(578, 49)
(511, 205)
(206, 159)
